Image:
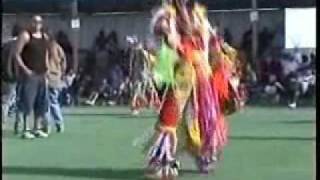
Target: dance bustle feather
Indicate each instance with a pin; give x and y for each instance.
(164, 68)
(205, 98)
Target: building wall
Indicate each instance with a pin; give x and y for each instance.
(138, 23)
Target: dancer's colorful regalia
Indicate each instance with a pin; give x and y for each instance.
(195, 71)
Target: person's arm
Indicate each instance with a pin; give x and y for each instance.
(46, 38)
(279, 85)
(131, 56)
(11, 64)
(47, 59)
(63, 58)
(22, 40)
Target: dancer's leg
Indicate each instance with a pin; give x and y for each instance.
(162, 154)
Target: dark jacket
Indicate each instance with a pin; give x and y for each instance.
(9, 72)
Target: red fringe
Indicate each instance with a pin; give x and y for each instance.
(169, 113)
(220, 81)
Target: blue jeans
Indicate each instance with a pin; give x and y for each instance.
(8, 98)
(55, 112)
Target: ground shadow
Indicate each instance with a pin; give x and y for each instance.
(265, 102)
(270, 138)
(95, 114)
(120, 115)
(185, 172)
(137, 117)
(76, 172)
(299, 122)
(136, 174)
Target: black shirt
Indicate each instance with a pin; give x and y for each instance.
(34, 54)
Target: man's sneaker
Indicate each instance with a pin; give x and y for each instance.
(292, 105)
(27, 135)
(60, 128)
(40, 134)
(88, 102)
(135, 112)
(111, 103)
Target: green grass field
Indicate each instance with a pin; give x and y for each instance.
(265, 144)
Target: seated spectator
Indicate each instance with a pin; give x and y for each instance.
(296, 78)
(274, 88)
(99, 76)
(271, 76)
(306, 76)
(116, 78)
(289, 64)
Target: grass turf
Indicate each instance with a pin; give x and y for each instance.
(265, 143)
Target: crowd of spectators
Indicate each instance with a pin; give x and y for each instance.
(103, 76)
(288, 76)
(103, 73)
(277, 75)
(282, 75)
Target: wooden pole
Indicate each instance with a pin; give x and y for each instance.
(75, 35)
(254, 22)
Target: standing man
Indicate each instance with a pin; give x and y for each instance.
(32, 57)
